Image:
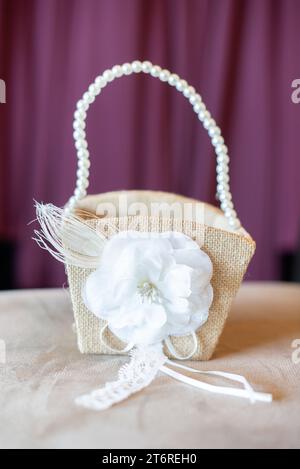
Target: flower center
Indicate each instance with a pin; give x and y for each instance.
(147, 292)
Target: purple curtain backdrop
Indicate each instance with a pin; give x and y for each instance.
(242, 56)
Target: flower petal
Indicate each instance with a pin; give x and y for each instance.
(155, 315)
(174, 267)
(196, 259)
(176, 283)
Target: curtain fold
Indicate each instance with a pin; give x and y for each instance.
(242, 56)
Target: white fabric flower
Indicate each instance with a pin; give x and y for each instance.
(150, 286)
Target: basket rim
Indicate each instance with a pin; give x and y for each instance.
(148, 192)
(114, 220)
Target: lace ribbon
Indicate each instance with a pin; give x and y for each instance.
(145, 363)
(247, 393)
(143, 367)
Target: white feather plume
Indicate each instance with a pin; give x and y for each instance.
(68, 237)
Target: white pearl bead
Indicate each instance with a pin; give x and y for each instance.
(164, 75)
(226, 204)
(222, 165)
(100, 81)
(195, 98)
(230, 213)
(79, 144)
(84, 164)
(155, 70)
(83, 173)
(202, 115)
(79, 193)
(67, 209)
(108, 75)
(146, 66)
(94, 89)
(82, 183)
(221, 149)
(217, 140)
(208, 122)
(235, 223)
(136, 66)
(173, 79)
(214, 131)
(222, 178)
(78, 125)
(83, 154)
(79, 115)
(222, 196)
(88, 97)
(222, 168)
(189, 91)
(198, 107)
(82, 105)
(222, 158)
(97, 89)
(225, 196)
(127, 68)
(223, 187)
(117, 71)
(181, 85)
(72, 201)
(79, 134)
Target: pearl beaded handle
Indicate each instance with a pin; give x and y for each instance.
(223, 189)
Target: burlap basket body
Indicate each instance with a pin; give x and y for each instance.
(218, 233)
(229, 252)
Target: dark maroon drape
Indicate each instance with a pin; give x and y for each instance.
(242, 56)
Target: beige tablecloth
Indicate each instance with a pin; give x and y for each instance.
(44, 372)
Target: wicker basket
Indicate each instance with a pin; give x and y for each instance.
(218, 232)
